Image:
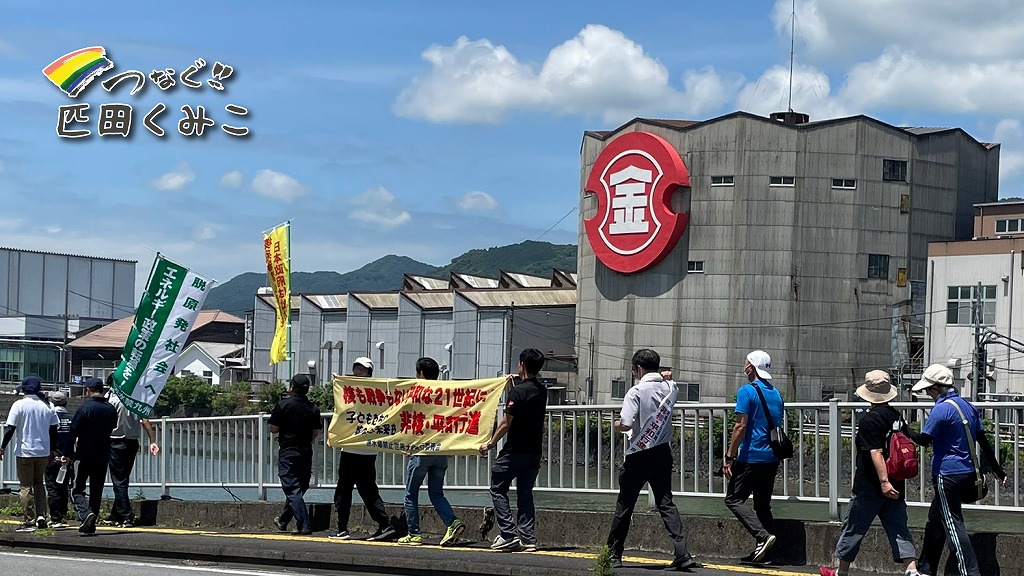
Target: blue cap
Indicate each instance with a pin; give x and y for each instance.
(30, 385)
(94, 384)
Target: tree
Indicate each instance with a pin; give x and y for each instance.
(322, 397)
(269, 394)
(191, 393)
(234, 400)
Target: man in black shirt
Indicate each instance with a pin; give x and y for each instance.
(296, 421)
(90, 435)
(58, 492)
(874, 493)
(519, 459)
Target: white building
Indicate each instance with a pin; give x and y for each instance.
(995, 259)
(217, 363)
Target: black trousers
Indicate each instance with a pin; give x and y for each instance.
(757, 479)
(359, 471)
(946, 521)
(294, 468)
(652, 467)
(90, 475)
(122, 460)
(58, 494)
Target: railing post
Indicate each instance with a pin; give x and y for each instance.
(261, 490)
(835, 448)
(164, 490)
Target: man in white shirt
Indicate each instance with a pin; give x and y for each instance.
(36, 425)
(646, 419)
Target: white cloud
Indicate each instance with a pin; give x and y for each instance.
(174, 180)
(378, 207)
(207, 231)
(599, 72)
(1010, 134)
(232, 179)
(811, 93)
(52, 229)
(477, 202)
(278, 186)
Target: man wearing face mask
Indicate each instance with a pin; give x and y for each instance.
(646, 418)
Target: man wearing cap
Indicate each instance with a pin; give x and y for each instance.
(90, 434)
(296, 421)
(58, 492)
(750, 465)
(36, 425)
(124, 447)
(953, 469)
(874, 493)
(358, 468)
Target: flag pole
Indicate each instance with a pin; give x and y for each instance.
(288, 231)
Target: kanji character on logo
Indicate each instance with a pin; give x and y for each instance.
(115, 120)
(70, 114)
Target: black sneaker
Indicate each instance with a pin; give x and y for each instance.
(340, 535)
(88, 525)
(382, 534)
(281, 526)
(685, 563)
(764, 545)
(127, 524)
(616, 561)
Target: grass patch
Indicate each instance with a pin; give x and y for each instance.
(603, 564)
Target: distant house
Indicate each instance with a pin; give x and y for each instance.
(97, 352)
(220, 364)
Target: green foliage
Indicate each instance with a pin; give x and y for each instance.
(12, 510)
(234, 400)
(322, 397)
(529, 257)
(268, 394)
(603, 563)
(191, 393)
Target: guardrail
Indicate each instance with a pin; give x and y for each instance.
(582, 454)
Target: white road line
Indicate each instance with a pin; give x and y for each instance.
(79, 559)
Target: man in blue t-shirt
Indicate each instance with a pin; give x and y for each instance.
(750, 465)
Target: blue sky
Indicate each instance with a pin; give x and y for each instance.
(426, 129)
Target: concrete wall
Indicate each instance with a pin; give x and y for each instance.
(410, 337)
(263, 324)
(309, 341)
(196, 362)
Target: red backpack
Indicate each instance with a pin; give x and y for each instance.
(901, 460)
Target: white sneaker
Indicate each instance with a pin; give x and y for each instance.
(505, 545)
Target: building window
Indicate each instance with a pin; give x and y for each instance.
(782, 181)
(844, 183)
(894, 170)
(689, 391)
(960, 302)
(208, 376)
(185, 374)
(618, 388)
(878, 266)
(1011, 226)
(695, 267)
(722, 180)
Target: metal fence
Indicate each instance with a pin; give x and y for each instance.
(582, 454)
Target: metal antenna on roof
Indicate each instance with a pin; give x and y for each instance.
(792, 52)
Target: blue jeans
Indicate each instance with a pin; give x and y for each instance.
(863, 510)
(433, 469)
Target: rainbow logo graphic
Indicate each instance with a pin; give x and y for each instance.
(74, 71)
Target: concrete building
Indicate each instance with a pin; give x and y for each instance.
(45, 298)
(472, 326)
(803, 239)
(995, 259)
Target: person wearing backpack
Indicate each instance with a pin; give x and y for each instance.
(952, 429)
(879, 487)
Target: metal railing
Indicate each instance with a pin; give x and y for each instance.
(582, 454)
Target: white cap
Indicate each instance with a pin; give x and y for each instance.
(761, 362)
(936, 374)
(364, 362)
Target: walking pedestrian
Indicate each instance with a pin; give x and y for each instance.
(875, 494)
(646, 418)
(433, 468)
(124, 448)
(750, 464)
(58, 486)
(519, 458)
(296, 421)
(36, 425)
(90, 434)
(952, 428)
(358, 468)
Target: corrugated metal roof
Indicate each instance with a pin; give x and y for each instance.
(923, 130)
(432, 300)
(218, 350)
(329, 301)
(429, 283)
(115, 334)
(269, 299)
(1000, 203)
(672, 123)
(527, 281)
(521, 298)
(476, 281)
(377, 300)
(67, 254)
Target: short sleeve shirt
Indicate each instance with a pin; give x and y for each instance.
(297, 418)
(951, 453)
(129, 426)
(526, 403)
(755, 448)
(32, 417)
(873, 434)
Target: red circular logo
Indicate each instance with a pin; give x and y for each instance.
(633, 180)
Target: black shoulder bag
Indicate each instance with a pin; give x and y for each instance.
(780, 443)
(979, 489)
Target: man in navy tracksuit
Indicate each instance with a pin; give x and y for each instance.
(90, 434)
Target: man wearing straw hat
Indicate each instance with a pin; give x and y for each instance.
(874, 493)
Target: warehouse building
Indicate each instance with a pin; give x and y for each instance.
(705, 240)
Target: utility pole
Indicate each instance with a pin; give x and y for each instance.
(511, 333)
(978, 371)
(590, 379)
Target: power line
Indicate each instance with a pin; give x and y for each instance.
(552, 227)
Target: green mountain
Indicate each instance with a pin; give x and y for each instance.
(530, 257)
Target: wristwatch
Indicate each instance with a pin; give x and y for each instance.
(730, 458)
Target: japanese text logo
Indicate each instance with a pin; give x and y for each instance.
(73, 72)
(633, 179)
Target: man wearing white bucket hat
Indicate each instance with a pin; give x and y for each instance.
(952, 428)
(874, 493)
